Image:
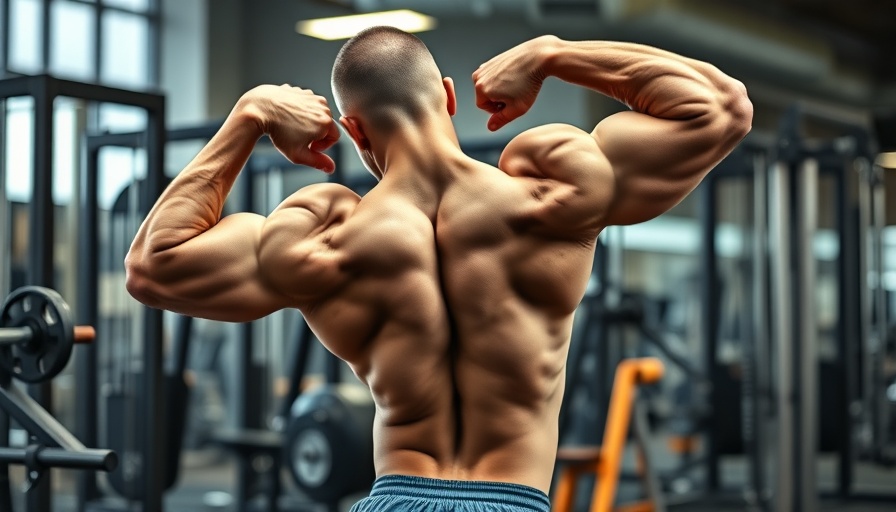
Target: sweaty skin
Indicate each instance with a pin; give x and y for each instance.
(450, 287)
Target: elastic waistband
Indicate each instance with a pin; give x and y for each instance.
(521, 496)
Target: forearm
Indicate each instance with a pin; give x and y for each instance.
(649, 80)
(193, 203)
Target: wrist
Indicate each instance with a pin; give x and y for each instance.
(249, 111)
(550, 50)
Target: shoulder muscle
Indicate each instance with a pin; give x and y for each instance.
(573, 177)
(294, 252)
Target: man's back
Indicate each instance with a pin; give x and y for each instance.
(457, 314)
(450, 287)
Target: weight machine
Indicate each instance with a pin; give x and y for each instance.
(44, 89)
(36, 338)
(791, 181)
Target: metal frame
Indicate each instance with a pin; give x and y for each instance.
(52, 445)
(757, 405)
(709, 296)
(783, 247)
(45, 89)
(47, 431)
(741, 164)
(87, 372)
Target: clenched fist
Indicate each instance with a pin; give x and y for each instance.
(507, 85)
(298, 122)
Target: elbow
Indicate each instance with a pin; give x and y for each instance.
(739, 109)
(138, 282)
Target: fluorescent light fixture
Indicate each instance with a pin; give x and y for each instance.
(344, 27)
(887, 160)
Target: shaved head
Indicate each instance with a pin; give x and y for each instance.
(384, 75)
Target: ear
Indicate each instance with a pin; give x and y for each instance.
(355, 131)
(452, 96)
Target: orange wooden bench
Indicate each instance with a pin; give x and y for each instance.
(604, 461)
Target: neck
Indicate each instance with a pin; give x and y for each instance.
(422, 150)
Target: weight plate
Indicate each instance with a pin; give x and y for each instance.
(50, 319)
(312, 458)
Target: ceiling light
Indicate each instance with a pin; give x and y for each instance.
(344, 27)
(887, 160)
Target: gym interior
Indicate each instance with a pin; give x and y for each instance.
(735, 353)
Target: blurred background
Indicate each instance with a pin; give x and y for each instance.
(767, 294)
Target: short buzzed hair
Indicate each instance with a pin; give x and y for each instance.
(384, 73)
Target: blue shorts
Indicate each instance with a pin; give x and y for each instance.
(401, 493)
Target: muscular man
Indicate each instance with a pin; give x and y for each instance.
(450, 287)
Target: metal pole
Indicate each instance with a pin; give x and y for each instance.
(45, 36)
(709, 296)
(5, 224)
(244, 370)
(97, 57)
(866, 320)
(848, 325)
(41, 244)
(760, 362)
(782, 315)
(5, 221)
(153, 405)
(154, 59)
(880, 405)
(806, 349)
(610, 341)
(5, 491)
(86, 374)
(4, 39)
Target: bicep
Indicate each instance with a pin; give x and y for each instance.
(656, 162)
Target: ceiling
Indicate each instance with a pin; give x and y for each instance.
(861, 32)
(838, 50)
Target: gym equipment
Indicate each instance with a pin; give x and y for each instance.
(37, 334)
(120, 405)
(329, 442)
(121, 427)
(604, 461)
(36, 337)
(45, 89)
(628, 311)
(797, 187)
(148, 468)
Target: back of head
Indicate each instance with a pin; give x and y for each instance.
(384, 74)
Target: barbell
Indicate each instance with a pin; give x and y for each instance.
(37, 334)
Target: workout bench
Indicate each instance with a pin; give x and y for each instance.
(604, 461)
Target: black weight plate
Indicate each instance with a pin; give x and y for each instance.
(328, 443)
(49, 317)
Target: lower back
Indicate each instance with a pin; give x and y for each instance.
(491, 420)
(426, 449)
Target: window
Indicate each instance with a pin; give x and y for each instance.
(25, 28)
(72, 40)
(111, 42)
(125, 61)
(105, 41)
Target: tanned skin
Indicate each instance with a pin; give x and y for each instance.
(450, 287)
